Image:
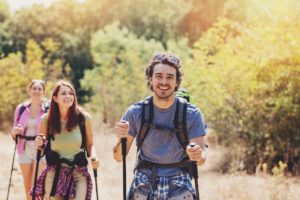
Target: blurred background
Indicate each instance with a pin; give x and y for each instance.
(241, 63)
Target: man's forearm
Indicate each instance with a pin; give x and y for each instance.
(117, 150)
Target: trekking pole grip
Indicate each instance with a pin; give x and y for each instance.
(195, 174)
(95, 173)
(95, 176)
(124, 141)
(95, 170)
(38, 155)
(17, 138)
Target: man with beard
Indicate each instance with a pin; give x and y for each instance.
(161, 170)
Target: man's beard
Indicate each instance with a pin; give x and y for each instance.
(163, 95)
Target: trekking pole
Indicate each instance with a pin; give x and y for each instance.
(195, 172)
(12, 168)
(195, 175)
(124, 141)
(96, 184)
(38, 157)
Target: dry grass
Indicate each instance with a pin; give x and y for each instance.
(213, 185)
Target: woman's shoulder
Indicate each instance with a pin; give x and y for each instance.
(44, 117)
(86, 115)
(23, 104)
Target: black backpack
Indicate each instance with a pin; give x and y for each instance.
(180, 127)
(53, 158)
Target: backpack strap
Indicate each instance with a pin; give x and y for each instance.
(180, 122)
(147, 119)
(21, 110)
(81, 123)
(23, 107)
(46, 106)
(79, 159)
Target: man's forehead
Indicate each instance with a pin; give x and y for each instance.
(164, 68)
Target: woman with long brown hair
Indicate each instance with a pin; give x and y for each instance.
(66, 139)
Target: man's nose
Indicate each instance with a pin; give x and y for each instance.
(164, 80)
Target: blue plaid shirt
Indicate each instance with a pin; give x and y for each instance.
(162, 188)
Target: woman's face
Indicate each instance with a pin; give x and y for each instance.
(36, 91)
(65, 97)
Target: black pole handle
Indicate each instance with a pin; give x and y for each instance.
(124, 142)
(195, 174)
(96, 183)
(38, 157)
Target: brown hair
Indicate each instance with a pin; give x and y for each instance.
(54, 124)
(34, 81)
(164, 58)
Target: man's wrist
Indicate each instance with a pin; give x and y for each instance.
(202, 160)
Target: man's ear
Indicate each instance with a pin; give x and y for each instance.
(150, 80)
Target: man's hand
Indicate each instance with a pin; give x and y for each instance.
(121, 129)
(195, 153)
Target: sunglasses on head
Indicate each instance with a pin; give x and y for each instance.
(38, 81)
(166, 58)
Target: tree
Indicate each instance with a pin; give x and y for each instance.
(16, 75)
(68, 24)
(249, 78)
(4, 12)
(117, 77)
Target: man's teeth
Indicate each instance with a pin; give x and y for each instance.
(163, 88)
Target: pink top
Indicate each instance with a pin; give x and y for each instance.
(23, 121)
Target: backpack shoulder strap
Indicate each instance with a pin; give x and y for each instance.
(21, 110)
(146, 120)
(46, 106)
(180, 122)
(81, 123)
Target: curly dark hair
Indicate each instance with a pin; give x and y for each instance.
(164, 58)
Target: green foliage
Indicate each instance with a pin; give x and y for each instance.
(117, 79)
(4, 12)
(249, 80)
(16, 76)
(156, 19)
(68, 24)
